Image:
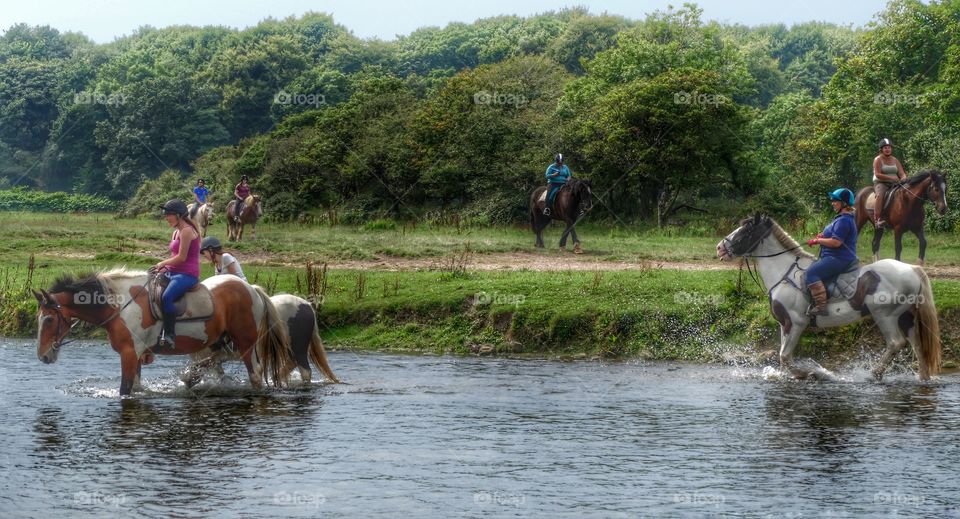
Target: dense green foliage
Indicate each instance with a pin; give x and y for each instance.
(21, 199)
(664, 115)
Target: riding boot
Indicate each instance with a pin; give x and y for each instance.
(168, 338)
(819, 293)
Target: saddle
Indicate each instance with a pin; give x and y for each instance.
(543, 196)
(195, 305)
(844, 286)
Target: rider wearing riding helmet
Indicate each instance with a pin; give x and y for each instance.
(241, 192)
(838, 249)
(557, 175)
(200, 196)
(223, 263)
(182, 267)
(887, 172)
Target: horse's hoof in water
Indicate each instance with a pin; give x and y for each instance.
(877, 375)
(577, 249)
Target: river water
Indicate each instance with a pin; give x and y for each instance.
(420, 436)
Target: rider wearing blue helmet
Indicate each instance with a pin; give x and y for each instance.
(838, 248)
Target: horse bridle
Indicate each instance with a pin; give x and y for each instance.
(59, 342)
(747, 256)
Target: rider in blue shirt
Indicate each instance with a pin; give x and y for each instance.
(838, 249)
(557, 175)
(200, 194)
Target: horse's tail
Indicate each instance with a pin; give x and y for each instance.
(318, 355)
(928, 326)
(273, 342)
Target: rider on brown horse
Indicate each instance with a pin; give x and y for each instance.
(557, 175)
(887, 172)
(241, 192)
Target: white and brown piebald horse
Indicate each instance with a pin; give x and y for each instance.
(117, 301)
(898, 296)
(202, 216)
(306, 346)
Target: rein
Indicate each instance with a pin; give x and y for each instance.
(755, 276)
(60, 342)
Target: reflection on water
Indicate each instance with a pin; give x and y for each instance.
(428, 436)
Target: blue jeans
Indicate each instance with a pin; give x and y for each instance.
(179, 284)
(552, 193)
(826, 268)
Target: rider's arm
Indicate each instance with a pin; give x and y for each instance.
(232, 268)
(900, 171)
(554, 174)
(830, 243)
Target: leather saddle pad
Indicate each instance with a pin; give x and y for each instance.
(195, 305)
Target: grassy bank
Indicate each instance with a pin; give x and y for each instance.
(649, 312)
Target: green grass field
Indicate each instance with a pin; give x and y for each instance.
(648, 312)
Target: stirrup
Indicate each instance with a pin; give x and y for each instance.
(546, 211)
(813, 312)
(163, 344)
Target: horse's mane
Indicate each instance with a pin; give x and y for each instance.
(248, 200)
(96, 285)
(923, 175)
(787, 241)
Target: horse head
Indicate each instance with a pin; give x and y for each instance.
(52, 326)
(745, 238)
(583, 192)
(257, 206)
(937, 190)
(208, 213)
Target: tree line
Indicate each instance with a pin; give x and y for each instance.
(664, 115)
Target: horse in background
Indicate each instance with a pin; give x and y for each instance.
(202, 216)
(251, 210)
(566, 207)
(905, 208)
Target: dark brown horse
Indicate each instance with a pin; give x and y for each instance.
(904, 208)
(252, 209)
(566, 207)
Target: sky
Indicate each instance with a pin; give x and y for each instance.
(105, 20)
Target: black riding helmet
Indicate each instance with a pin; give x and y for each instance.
(558, 158)
(244, 177)
(199, 180)
(210, 243)
(884, 142)
(174, 206)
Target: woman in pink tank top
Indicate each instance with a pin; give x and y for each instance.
(182, 267)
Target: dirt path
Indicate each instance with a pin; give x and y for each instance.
(507, 262)
(538, 262)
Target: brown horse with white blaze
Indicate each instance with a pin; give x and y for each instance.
(117, 301)
(904, 208)
(252, 209)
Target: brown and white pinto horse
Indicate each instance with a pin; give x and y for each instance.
(252, 209)
(905, 211)
(117, 301)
